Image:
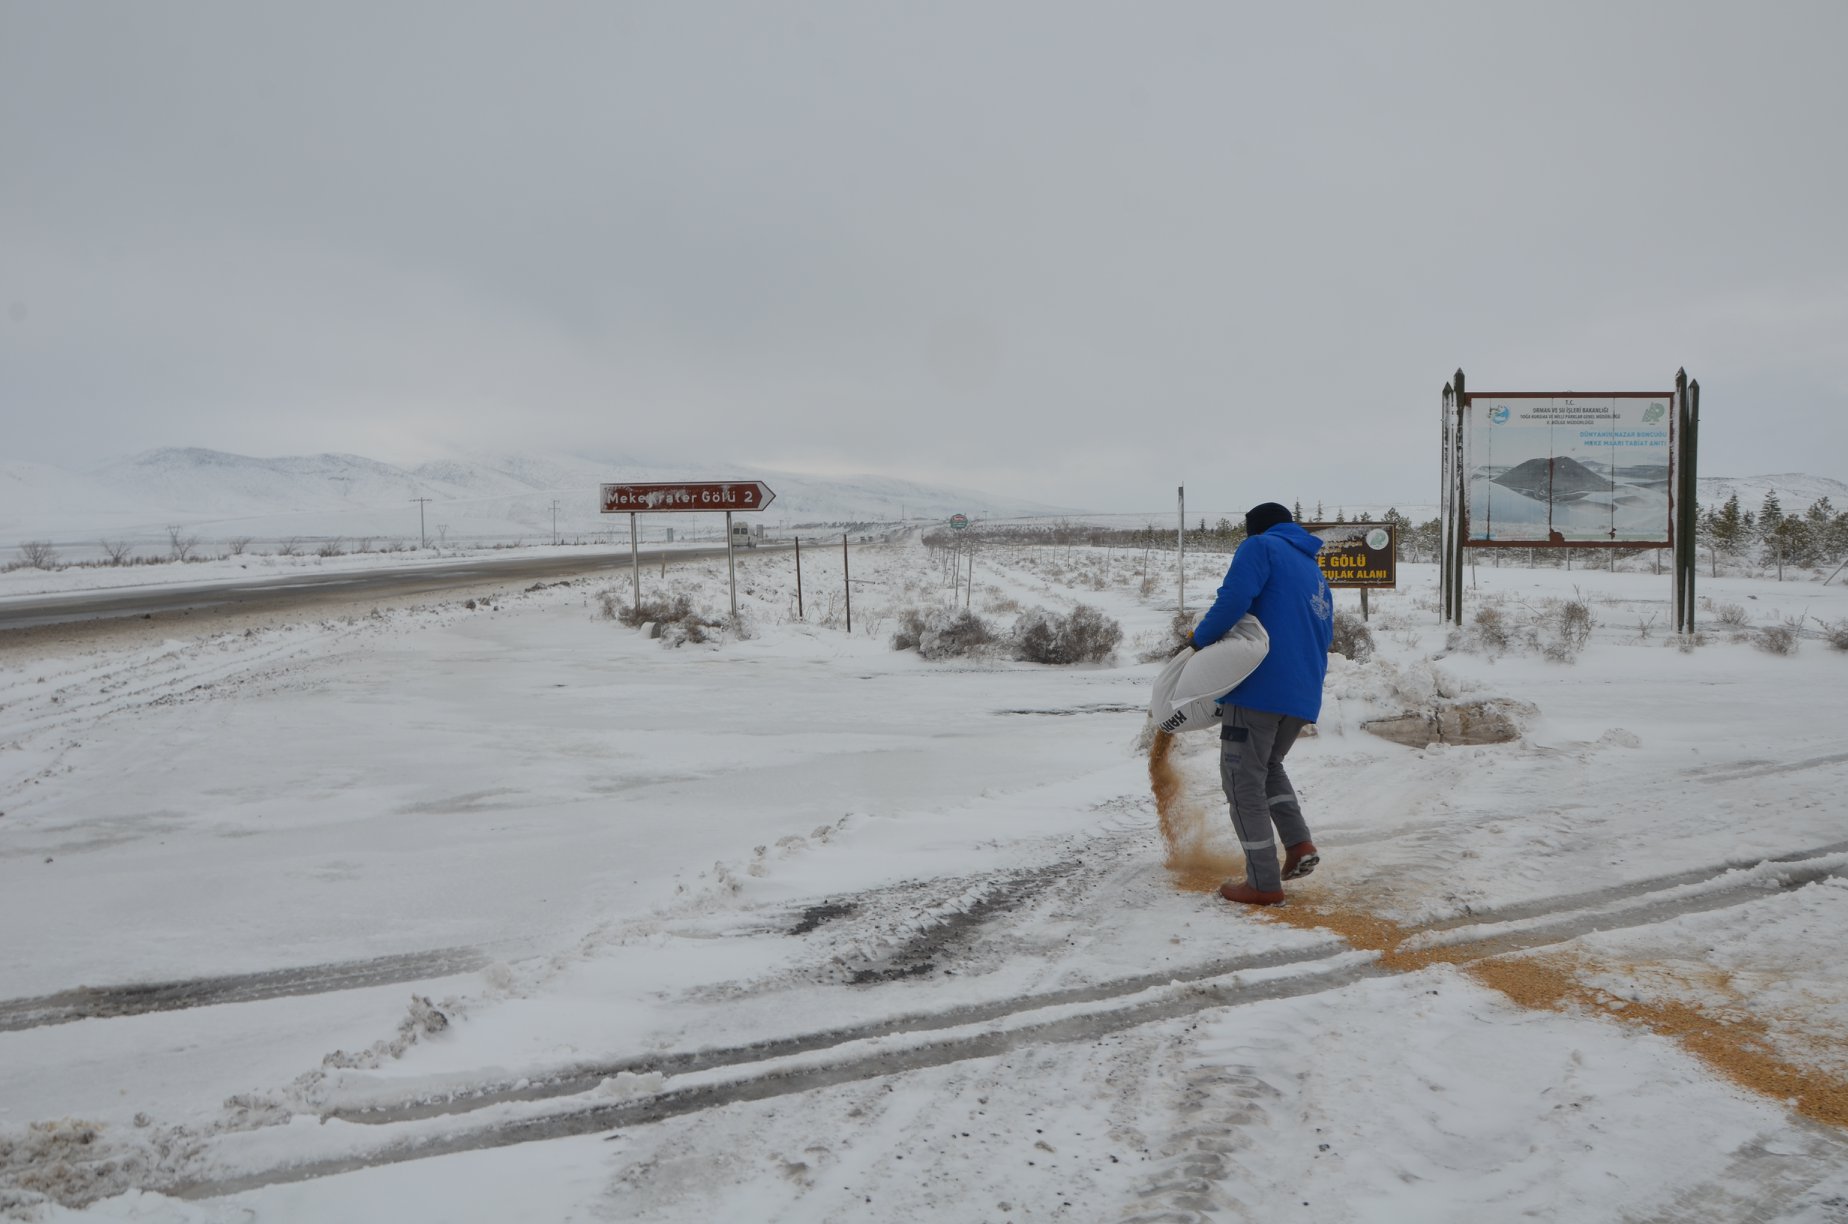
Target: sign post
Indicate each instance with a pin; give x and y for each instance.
(688, 497)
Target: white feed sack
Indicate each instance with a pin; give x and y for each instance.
(1188, 690)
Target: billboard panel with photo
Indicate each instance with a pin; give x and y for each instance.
(1567, 469)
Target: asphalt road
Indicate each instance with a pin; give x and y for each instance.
(273, 594)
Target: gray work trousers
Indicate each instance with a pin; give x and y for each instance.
(1252, 745)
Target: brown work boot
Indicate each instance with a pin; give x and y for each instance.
(1242, 892)
(1299, 860)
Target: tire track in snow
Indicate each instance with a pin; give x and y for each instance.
(1762, 1180)
(808, 1062)
(100, 1002)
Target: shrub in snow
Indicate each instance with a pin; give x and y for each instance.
(1732, 616)
(942, 633)
(38, 554)
(678, 620)
(1180, 631)
(1837, 634)
(1779, 639)
(1489, 634)
(1564, 630)
(1085, 635)
(1352, 640)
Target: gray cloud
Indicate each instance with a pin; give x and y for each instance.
(1077, 252)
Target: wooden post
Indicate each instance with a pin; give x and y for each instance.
(1678, 490)
(847, 582)
(1443, 500)
(1693, 464)
(799, 578)
(1460, 501)
(1180, 547)
(1363, 604)
(969, 587)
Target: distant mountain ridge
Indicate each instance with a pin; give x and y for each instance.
(218, 494)
(1796, 491)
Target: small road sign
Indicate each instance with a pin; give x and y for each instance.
(685, 497)
(959, 521)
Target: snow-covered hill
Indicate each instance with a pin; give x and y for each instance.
(1796, 491)
(218, 496)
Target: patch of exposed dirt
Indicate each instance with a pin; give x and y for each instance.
(1494, 721)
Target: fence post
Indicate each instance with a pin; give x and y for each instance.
(799, 615)
(1180, 548)
(847, 583)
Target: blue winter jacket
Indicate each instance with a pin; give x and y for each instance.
(1274, 576)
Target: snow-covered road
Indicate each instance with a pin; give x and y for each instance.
(509, 912)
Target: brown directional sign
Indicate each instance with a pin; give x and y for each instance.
(1357, 555)
(683, 497)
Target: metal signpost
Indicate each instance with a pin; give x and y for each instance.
(688, 497)
(959, 523)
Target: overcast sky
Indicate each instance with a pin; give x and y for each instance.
(1075, 252)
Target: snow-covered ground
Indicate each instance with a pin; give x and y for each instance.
(510, 912)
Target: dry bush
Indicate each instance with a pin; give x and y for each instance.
(1564, 630)
(329, 549)
(1731, 616)
(1353, 639)
(677, 619)
(238, 544)
(1779, 639)
(1489, 634)
(117, 551)
(1085, 635)
(179, 545)
(942, 633)
(1492, 629)
(38, 554)
(1180, 633)
(1836, 634)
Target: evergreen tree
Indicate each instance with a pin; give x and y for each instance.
(1727, 526)
(1770, 513)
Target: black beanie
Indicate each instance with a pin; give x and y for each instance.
(1260, 519)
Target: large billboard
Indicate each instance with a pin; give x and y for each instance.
(1567, 469)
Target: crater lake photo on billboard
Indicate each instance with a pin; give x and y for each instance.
(1569, 469)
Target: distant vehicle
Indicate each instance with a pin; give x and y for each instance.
(741, 536)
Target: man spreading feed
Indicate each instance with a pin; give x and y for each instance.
(1273, 576)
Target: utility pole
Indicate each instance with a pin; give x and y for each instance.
(423, 541)
(554, 520)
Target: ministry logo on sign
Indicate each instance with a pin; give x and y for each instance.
(1498, 415)
(1654, 413)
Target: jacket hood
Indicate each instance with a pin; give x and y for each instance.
(1297, 538)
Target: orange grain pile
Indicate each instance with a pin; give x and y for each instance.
(1735, 1044)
